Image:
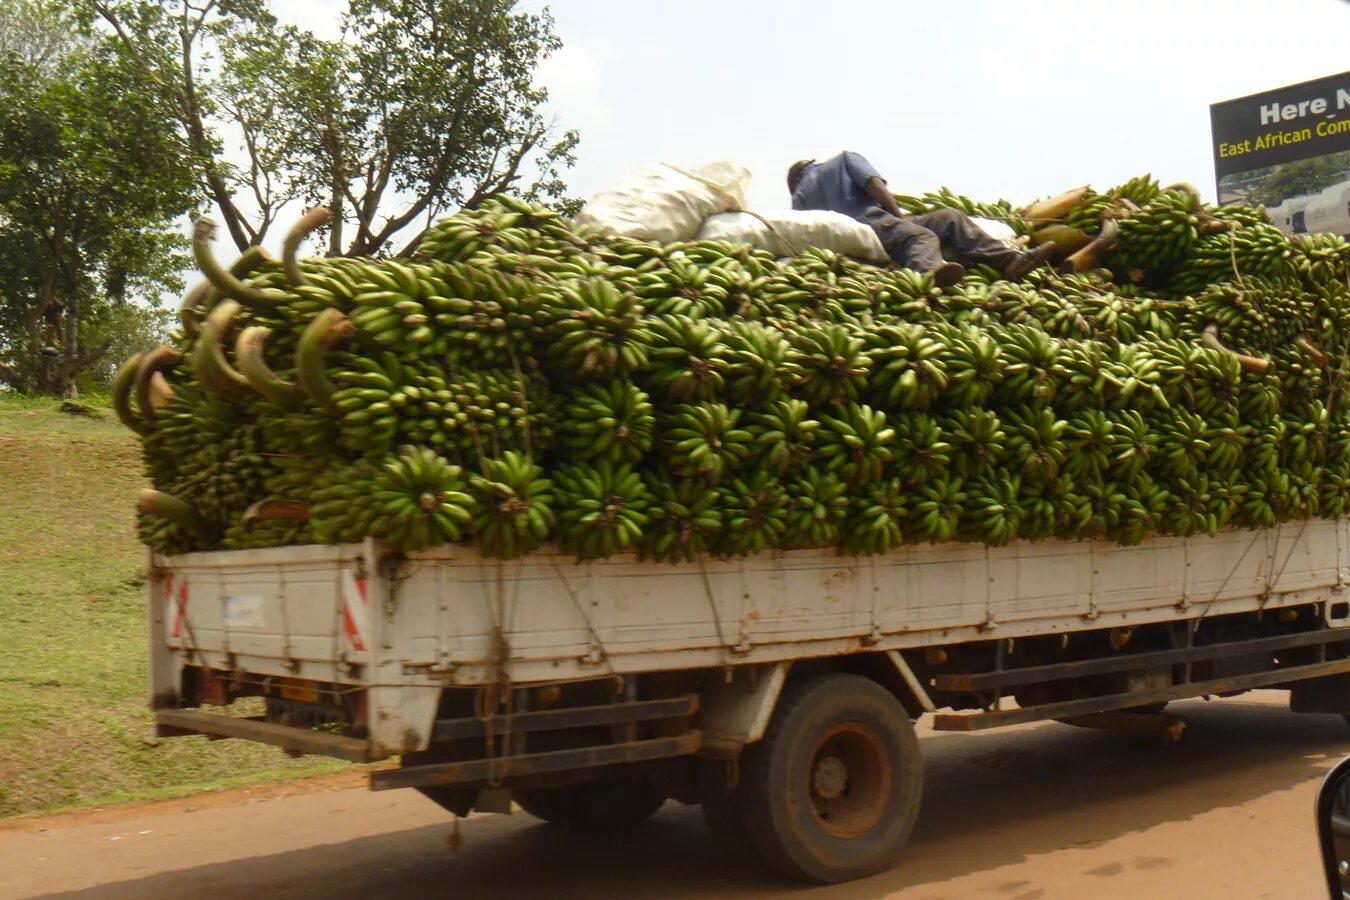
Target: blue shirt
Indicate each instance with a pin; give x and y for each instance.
(837, 184)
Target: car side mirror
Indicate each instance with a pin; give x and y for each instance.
(1333, 829)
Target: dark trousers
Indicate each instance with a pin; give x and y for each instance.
(916, 242)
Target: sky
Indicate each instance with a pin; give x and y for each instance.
(993, 99)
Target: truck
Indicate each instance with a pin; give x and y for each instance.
(778, 690)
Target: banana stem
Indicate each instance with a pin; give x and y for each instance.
(328, 329)
(149, 396)
(1307, 347)
(1254, 364)
(1055, 207)
(252, 362)
(273, 509)
(187, 313)
(1091, 256)
(209, 366)
(224, 279)
(122, 385)
(315, 218)
(167, 506)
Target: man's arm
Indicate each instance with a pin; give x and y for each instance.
(865, 176)
(877, 190)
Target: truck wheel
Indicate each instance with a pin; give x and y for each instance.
(596, 806)
(832, 791)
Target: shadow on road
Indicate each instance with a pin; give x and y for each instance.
(991, 800)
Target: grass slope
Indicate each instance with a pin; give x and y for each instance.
(73, 715)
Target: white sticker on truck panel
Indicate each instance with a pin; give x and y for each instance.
(243, 611)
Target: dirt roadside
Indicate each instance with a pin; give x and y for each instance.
(1044, 811)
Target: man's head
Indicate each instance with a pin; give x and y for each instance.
(795, 173)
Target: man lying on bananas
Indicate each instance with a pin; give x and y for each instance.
(849, 184)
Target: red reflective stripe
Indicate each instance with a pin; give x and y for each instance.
(354, 619)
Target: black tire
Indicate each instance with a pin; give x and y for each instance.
(833, 790)
(596, 806)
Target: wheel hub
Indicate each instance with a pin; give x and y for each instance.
(849, 780)
(830, 777)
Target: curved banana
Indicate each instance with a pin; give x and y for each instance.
(187, 312)
(225, 280)
(167, 506)
(315, 218)
(150, 395)
(121, 388)
(327, 330)
(209, 365)
(248, 354)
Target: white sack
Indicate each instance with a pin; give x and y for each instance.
(664, 203)
(790, 231)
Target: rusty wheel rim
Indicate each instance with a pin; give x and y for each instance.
(849, 780)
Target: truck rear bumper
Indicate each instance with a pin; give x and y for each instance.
(174, 722)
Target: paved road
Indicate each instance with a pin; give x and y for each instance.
(1043, 811)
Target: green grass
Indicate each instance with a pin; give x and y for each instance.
(73, 717)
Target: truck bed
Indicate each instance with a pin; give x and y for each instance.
(404, 627)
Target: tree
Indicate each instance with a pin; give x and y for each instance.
(91, 180)
(1302, 177)
(419, 107)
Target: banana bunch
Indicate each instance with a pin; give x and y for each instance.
(596, 331)
(1035, 443)
(683, 287)
(684, 518)
(876, 518)
(603, 508)
(515, 506)
(1140, 190)
(992, 513)
(855, 445)
(833, 363)
(1029, 370)
(423, 500)
(482, 317)
(978, 441)
(686, 360)
(1321, 259)
(973, 363)
(785, 435)
(1088, 442)
(367, 401)
(946, 198)
(1254, 250)
(921, 451)
(613, 422)
(936, 512)
(907, 295)
(817, 508)
(503, 222)
(1159, 236)
(906, 363)
(760, 364)
(755, 511)
(703, 441)
(801, 298)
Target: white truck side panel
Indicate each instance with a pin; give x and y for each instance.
(286, 611)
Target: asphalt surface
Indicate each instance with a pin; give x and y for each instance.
(1041, 811)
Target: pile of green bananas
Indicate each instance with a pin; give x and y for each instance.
(521, 382)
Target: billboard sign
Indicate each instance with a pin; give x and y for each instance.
(1289, 151)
